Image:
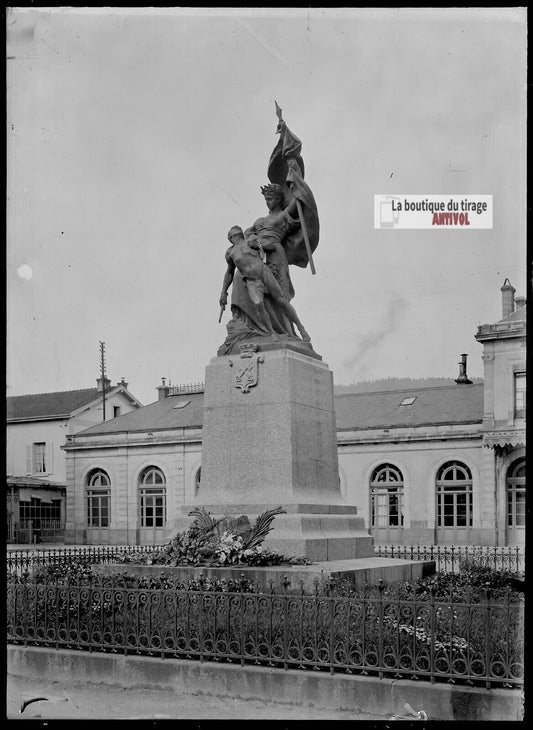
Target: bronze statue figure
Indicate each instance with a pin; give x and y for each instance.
(259, 281)
(288, 234)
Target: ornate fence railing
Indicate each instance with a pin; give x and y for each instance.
(477, 640)
(448, 558)
(451, 558)
(25, 560)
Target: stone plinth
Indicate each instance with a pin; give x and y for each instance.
(269, 440)
(360, 572)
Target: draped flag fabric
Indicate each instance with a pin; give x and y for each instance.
(286, 168)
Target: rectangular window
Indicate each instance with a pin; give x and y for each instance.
(454, 507)
(153, 507)
(55, 510)
(386, 507)
(24, 511)
(116, 411)
(39, 458)
(516, 507)
(98, 508)
(520, 395)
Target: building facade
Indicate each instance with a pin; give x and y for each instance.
(127, 480)
(37, 426)
(504, 416)
(441, 465)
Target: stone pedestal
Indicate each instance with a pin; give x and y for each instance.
(269, 440)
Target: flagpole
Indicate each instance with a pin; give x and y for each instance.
(299, 207)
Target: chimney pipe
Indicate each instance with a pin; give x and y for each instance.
(508, 292)
(462, 378)
(162, 390)
(520, 302)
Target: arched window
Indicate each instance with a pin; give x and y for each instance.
(515, 484)
(197, 479)
(386, 498)
(153, 494)
(454, 495)
(98, 499)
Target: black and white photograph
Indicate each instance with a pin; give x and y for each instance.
(266, 303)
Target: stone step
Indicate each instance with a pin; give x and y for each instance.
(293, 578)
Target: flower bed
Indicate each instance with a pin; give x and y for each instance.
(224, 542)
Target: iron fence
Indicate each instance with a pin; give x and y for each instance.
(20, 561)
(448, 558)
(377, 632)
(452, 558)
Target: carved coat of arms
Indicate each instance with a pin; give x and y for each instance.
(246, 370)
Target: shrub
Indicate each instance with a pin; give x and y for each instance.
(473, 585)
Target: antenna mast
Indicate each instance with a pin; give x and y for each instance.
(102, 370)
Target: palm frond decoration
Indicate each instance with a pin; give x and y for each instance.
(203, 519)
(261, 527)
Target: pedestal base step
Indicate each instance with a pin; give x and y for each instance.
(295, 578)
(314, 531)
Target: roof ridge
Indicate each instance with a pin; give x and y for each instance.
(55, 392)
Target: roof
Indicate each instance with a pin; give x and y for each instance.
(33, 482)
(511, 326)
(517, 316)
(55, 405)
(46, 405)
(441, 405)
(174, 411)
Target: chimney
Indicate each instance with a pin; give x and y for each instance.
(107, 383)
(123, 383)
(462, 378)
(162, 390)
(508, 292)
(520, 302)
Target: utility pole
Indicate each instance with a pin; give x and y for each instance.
(102, 369)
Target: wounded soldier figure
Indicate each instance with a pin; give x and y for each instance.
(244, 256)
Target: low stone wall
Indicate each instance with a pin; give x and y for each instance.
(370, 695)
(359, 570)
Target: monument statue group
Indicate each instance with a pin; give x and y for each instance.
(258, 259)
(269, 435)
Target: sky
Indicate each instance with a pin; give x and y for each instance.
(137, 137)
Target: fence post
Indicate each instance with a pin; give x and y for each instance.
(241, 606)
(201, 615)
(487, 636)
(285, 583)
(331, 628)
(381, 588)
(90, 626)
(432, 633)
(56, 604)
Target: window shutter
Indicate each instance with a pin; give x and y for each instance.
(49, 458)
(28, 460)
